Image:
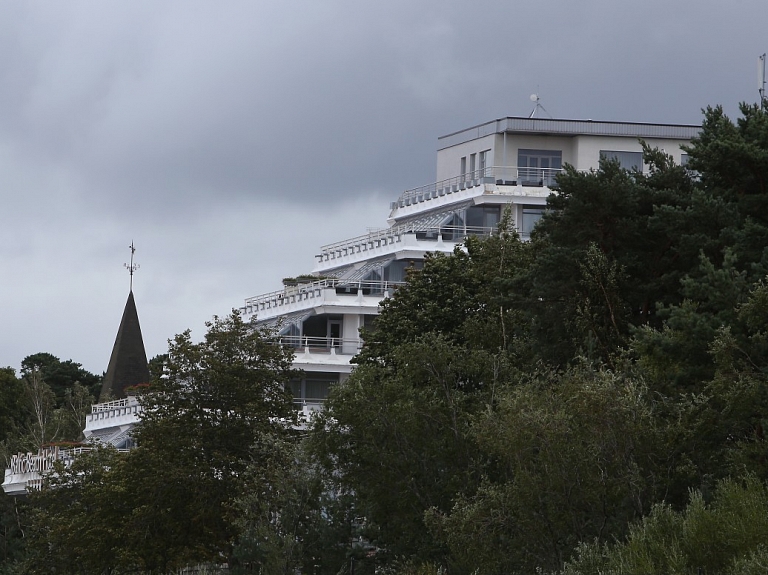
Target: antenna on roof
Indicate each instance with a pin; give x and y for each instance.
(535, 98)
(761, 80)
(132, 267)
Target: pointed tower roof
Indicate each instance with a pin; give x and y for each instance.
(128, 363)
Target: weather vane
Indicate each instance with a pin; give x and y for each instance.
(132, 267)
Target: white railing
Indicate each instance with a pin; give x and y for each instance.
(353, 245)
(307, 291)
(319, 344)
(109, 405)
(499, 175)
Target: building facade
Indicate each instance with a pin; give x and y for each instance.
(480, 171)
(510, 162)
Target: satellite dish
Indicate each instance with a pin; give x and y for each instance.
(535, 98)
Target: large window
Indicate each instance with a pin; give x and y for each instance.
(322, 332)
(538, 167)
(312, 389)
(531, 215)
(627, 160)
(482, 219)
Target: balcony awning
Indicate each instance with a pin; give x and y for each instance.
(433, 219)
(360, 273)
(282, 323)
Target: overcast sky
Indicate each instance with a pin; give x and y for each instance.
(230, 140)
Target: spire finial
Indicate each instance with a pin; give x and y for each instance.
(132, 267)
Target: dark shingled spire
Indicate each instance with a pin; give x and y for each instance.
(128, 363)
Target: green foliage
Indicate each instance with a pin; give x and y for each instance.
(577, 456)
(677, 357)
(60, 375)
(292, 518)
(170, 502)
(399, 437)
(631, 221)
(201, 427)
(78, 519)
(467, 297)
(725, 536)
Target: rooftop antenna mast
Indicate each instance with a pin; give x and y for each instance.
(535, 98)
(132, 267)
(761, 80)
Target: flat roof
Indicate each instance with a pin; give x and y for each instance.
(561, 127)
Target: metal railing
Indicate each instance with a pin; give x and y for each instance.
(311, 290)
(395, 235)
(319, 344)
(109, 405)
(499, 175)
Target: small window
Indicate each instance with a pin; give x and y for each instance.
(472, 159)
(463, 168)
(683, 159)
(483, 162)
(627, 160)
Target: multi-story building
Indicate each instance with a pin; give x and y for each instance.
(480, 170)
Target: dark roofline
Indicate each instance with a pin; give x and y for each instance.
(563, 127)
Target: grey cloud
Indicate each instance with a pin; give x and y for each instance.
(231, 139)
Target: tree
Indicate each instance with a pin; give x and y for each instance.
(574, 456)
(78, 518)
(398, 437)
(726, 535)
(170, 502)
(43, 426)
(293, 517)
(628, 228)
(60, 375)
(202, 426)
(469, 297)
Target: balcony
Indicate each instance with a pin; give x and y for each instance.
(321, 344)
(381, 243)
(496, 175)
(313, 294)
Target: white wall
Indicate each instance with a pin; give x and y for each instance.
(587, 152)
(449, 159)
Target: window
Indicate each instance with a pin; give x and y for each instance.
(627, 160)
(531, 215)
(472, 158)
(482, 219)
(683, 159)
(398, 270)
(453, 227)
(483, 162)
(463, 168)
(538, 167)
(313, 389)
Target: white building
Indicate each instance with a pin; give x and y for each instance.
(480, 170)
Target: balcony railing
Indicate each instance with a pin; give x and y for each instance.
(109, 405)
(311, 290)
(499, 175)
(395, 235)
(320, 344)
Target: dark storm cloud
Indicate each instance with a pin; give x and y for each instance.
(232, 139)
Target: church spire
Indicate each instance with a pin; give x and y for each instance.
(128, 362)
